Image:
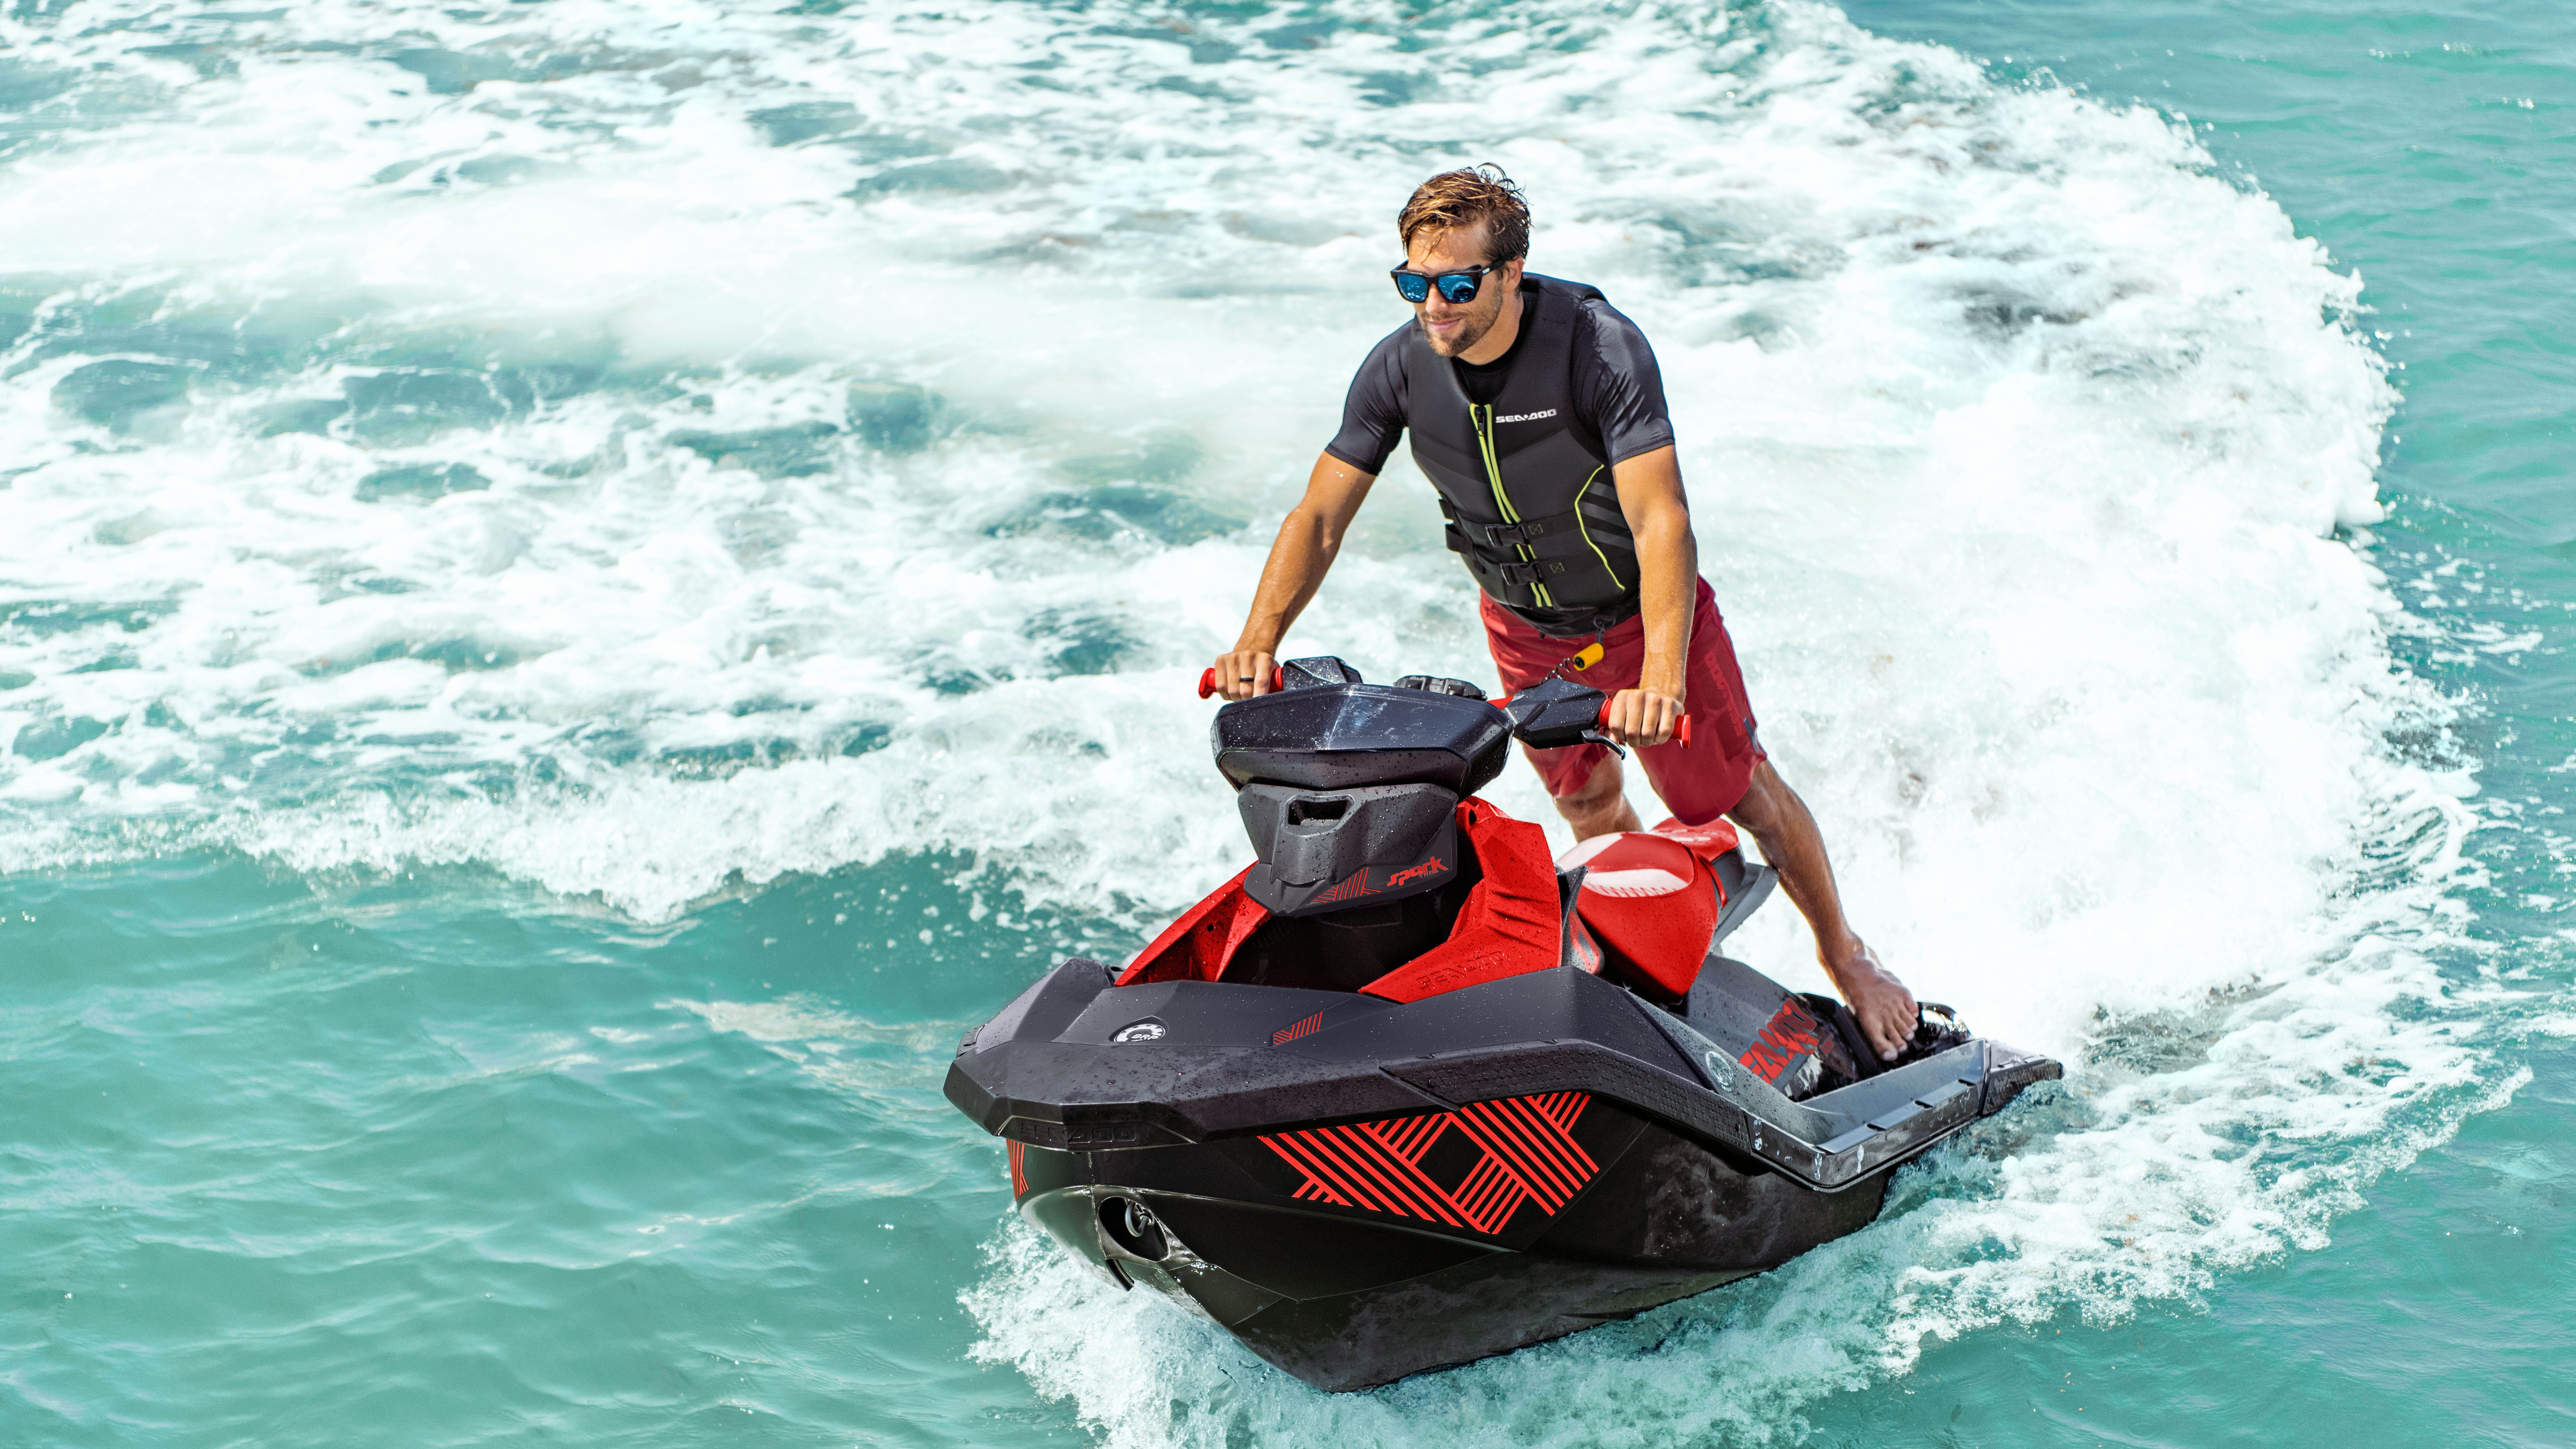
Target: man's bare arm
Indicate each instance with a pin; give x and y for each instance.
(1650, 496)
(1309, 538)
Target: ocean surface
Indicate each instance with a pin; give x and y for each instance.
(584, 585)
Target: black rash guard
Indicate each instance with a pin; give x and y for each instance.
(1618, 391)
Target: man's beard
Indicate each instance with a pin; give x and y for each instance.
(1470, 332)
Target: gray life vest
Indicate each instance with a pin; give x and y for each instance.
(1524, 483)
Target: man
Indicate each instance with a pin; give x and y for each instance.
(1538, 413)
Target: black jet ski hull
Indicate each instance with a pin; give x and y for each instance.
(1345, 1302)
(1361, 1190)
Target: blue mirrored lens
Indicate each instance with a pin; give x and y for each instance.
(1412, 286)
(1457, 286)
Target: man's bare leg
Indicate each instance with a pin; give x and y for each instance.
(1601, 806)
(1778, 819)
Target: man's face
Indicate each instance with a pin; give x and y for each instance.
(1454, 327)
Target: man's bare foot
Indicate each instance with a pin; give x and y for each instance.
(1879, 1002)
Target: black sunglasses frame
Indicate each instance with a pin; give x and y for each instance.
(1455, 287)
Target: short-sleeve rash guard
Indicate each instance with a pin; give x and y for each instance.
(1618, 391)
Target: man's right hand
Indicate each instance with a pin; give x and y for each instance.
(1641, 717)
(1244, 673)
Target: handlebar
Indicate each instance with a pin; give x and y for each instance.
(1681, 726)
(1556, 712)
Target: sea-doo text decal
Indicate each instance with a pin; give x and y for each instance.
(1513, 1150)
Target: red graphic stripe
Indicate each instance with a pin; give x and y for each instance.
(1404, 1176)
(1554, 1148)
(1556, 1138)
(1322, 1172)
(1549, 1157)
(1316, 1191)
(1489, 1195)
(1561, 1108)
(1295, 1029)
(1412, 1136)
(1546, 1191)
(1377, 1180)
(1529, 1134)
(1019, 1170)
(1533, 1146)
(1324, 1168)
(1500, 1148)
(1525, 1153)
(1350, 889)
(1342, 1159)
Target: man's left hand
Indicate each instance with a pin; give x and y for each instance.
(1641, 717)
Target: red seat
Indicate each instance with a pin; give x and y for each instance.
(1651, 900)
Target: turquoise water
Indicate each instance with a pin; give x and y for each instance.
(584, 585)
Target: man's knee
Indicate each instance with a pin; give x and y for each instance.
(1600, 806)
(1605, 784)
(1764, 800)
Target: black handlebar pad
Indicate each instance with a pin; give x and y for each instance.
(1554, 713)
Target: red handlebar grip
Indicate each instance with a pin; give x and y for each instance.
(1681, 725)
(1207, 681)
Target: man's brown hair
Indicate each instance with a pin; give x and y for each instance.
(1462, 199)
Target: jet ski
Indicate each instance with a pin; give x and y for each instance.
(1407, 1093)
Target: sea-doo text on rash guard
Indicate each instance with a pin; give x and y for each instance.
(1520, 449)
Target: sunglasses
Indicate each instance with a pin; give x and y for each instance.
(1454, 286)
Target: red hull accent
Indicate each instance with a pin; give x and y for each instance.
(1525, 1150)
(1197, 946)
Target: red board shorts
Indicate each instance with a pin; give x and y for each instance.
(1697, 784)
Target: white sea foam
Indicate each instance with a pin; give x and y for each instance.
(882, 490)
